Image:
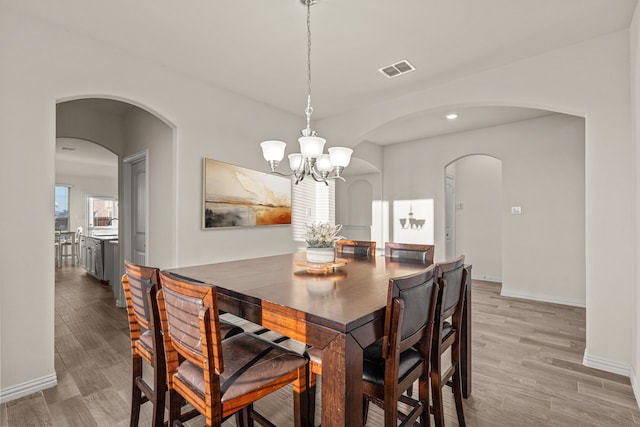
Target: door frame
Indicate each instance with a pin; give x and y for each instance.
(126, 251)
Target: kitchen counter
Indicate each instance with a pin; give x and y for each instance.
(99, 257)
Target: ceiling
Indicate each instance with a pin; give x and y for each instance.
(257, 48)
(77, 157)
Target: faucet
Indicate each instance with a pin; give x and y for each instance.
(111, 221)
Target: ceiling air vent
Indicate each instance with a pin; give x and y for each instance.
(397, 69)
(63, 148)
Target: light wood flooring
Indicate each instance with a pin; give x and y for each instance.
(527, 367)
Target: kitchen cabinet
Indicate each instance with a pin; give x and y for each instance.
(92, 256)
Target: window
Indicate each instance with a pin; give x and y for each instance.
(312, 202)
(102, 211)
(61, 210)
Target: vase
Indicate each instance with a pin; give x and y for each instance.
(321, 255)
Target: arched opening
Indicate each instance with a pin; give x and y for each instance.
(473, 213)
(92, 300)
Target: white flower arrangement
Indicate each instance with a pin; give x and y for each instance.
(322, 235)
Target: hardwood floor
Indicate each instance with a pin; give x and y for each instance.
(527, 367)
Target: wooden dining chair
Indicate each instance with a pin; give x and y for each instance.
(356, 248)
(393, 363)
(220, 378)
(452, 278)
(409, 252)
(140, 284)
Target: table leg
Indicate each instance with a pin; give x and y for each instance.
(342, 383)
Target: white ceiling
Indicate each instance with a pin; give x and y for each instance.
(258, 47)
(77, 157)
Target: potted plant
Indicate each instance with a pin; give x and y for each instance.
(321, 241)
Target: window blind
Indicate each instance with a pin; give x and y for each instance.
(312, 202)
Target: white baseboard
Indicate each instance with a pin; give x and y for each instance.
(487, 278)
(606, 365)
(635, 385)
(544, 298)
(25, 389)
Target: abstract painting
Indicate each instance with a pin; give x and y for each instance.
(239, 197)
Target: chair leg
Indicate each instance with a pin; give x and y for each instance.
(158, 406)
(301, 400)
(365, 410)
(311, 399)
(175, 403)
(457, 383)
(423, 393)
(436, 391)
(390, 407)
(136, 393)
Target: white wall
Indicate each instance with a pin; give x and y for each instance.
(478, 216)
(145, 132)
(542, 171)
(589, 79)
(49, 65)
(635, 110)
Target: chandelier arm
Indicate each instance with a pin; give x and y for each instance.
(280, 173)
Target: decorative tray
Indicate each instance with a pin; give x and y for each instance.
(321, 268)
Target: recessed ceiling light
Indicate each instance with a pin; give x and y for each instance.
(452, 116)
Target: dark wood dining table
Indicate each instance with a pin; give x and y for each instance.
(340, 311)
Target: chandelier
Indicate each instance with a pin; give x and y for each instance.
(311, 161)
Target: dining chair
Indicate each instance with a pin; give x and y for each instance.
(452, 278)
(76, 245)
(356, 248)
(393, 363)
(409, 252)
(220, 378)
(140, 284)
(56, 246)
(66, 247)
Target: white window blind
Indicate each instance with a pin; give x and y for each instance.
(312, 202)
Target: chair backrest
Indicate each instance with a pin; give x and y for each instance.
(78, 234)
(189, 313)
(356, 248)
(409, 252)
(452, 278)
(139, 280)
(410, 314)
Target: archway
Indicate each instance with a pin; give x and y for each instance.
(473, 213)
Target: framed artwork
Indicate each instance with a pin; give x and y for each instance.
(234, 196)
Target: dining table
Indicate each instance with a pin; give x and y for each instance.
(337, 309)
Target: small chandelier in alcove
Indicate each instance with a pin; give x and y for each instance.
(411, 223)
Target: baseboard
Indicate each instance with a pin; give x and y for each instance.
(487, 278)
(635, 386)
(606, 365)
(25, 389)
(544, 298)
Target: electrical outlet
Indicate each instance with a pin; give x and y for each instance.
(516, 210)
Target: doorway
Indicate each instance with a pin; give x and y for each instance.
(473, 213)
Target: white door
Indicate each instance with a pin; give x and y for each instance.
(450, 217)
(139, 212)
